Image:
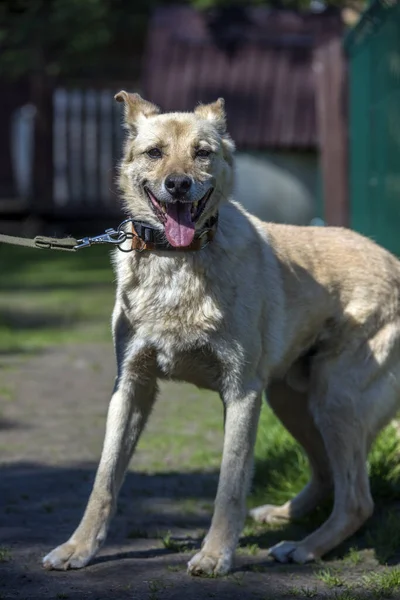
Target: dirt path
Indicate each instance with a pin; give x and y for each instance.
(52, 420)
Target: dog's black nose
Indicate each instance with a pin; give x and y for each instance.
(178, 185)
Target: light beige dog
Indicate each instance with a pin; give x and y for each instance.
(312, 315)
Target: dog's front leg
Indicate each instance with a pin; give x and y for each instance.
(129, 408)
(241, 418)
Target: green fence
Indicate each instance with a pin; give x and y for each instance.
(373, 49)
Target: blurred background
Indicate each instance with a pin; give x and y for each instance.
(312, 92)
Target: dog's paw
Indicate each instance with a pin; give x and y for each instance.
(70, 555)
(268, 514)
(209, 565)
(295, 552)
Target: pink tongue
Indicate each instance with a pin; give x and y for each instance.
(179, 227)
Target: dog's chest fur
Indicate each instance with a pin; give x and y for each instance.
(173, 310)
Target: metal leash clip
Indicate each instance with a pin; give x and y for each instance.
(116, 237)
(110, 236)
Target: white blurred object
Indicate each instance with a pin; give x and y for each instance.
(272, 192)
(22, 148)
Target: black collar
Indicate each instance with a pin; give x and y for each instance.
(147, 237)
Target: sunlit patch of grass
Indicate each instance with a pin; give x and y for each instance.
(249, 549)
(330, 578)
(48, 298)
(383, 584)
(384, 465)
(281, 468)
(188, 439)
(353, 556)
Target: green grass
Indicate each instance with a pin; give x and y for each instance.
(53, 297)
(383, 584)
(6, 393)
(353, 556)
(174, 545)
(249, 549)
(330, 578)
(184, 440)
(281, 468)
(303, 592)
(347, 595)
(5, 554)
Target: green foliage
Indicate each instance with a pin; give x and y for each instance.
(84, 37)
(69, 37)
(50, 34)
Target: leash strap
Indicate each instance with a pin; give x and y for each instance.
(68, 244)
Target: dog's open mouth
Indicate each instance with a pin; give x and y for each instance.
(179, 218)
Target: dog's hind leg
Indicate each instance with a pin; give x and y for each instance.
(130, 405)
(291, 407)
(343, 422)
(353, 395)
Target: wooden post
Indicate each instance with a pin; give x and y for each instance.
(331, 107)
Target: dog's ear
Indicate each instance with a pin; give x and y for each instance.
(214, 112)
(135, 107)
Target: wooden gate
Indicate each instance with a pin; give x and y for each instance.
(60, 149)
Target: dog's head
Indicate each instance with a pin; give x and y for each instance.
(177, 167)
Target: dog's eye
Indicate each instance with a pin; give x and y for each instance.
(154, 153)
(202, 153)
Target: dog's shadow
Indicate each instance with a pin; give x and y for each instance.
(45, 503)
